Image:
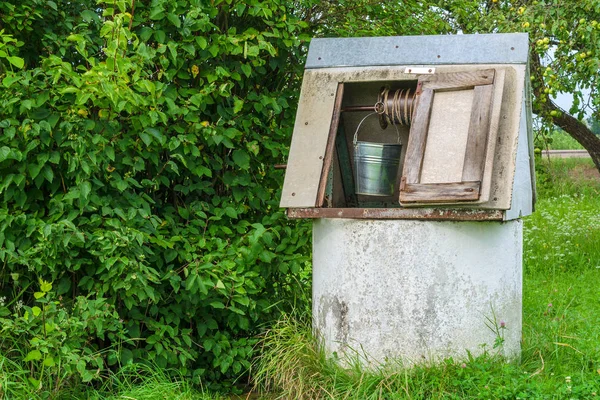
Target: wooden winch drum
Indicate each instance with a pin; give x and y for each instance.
(375, 165)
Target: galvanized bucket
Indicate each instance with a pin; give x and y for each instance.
(375, 165)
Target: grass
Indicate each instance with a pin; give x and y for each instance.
(142, 382)
(134, 382)
(561, 313)
(565, 176)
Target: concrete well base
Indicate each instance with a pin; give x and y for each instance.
(418, 291)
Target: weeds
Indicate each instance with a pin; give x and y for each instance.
(147, 382)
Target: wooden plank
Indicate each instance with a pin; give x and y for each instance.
(417, 138)
(440, 192)
(479, 127)
(328, 199)
(439, 214)
(333, 128)
(458, 80)
(496, 118)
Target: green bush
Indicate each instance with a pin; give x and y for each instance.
(136, 164)
(54, 338)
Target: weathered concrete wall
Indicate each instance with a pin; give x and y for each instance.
(416, 290)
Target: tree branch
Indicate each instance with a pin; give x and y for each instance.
(575, 128)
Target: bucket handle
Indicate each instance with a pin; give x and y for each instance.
(378, 109)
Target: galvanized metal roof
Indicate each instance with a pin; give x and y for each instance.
(501, 48)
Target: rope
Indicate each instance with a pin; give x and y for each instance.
(399, 112)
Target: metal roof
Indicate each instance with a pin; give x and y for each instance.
(500, 48)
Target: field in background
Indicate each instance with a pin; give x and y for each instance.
(560, 140)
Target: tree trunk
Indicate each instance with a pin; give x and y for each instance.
(579, 131)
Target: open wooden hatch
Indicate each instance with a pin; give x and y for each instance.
(399, 141)
(454, 129)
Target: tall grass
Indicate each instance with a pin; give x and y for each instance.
(561, 140)
(136, 381)
(565, 176)
(561, 314)
(146, 382)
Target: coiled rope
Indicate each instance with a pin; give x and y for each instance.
(398, 106)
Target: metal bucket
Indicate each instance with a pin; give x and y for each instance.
(376, 168)
(375, 165)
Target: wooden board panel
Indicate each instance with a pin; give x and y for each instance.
(418, 136)
(439, 192)
(307, 149)
(479, 129)
(447, 137)
(458, 80)
(439, 214)
(333, 128)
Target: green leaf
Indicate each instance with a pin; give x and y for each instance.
(160, 36)
(246, 69)
(146, 138)
(74, 38)
(34, 169)
(157, 134)
(4, 152)
(217, 304)
(174, 19)
(9, 80)
(241, 158)
(230, 212)
(237, 105)
(36, 311)
(152, 339)
(39, 295)
(80, 366)
(48, 173)
(126, 357)
(45, 286)
(89, 16)
(16, 61)
(110, 153)
(202, 43)
(49, 362)
(33, 355)
(84, 190)
(40, 113)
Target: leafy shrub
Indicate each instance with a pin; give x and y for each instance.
(52, 340)
(136, 161)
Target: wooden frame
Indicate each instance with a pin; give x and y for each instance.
(412, 190)
(328, 159)
(431, 214)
